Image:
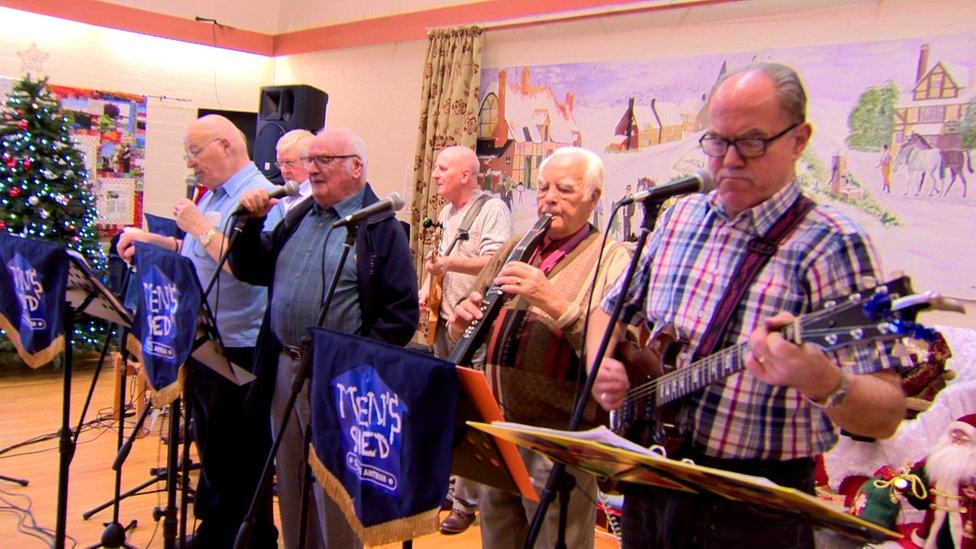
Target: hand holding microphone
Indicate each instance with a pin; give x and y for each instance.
(256, 203)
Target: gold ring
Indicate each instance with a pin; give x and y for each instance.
(518, 281)
(761, 360)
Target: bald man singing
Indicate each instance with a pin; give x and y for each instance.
(232, 441)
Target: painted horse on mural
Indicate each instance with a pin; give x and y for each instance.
(918, 156)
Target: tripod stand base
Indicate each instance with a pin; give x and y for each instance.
(114, 534)
(19, 481)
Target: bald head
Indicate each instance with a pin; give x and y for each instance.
(456, 174)
(215, 149)
(337, 165)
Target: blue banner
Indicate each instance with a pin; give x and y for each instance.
(32, 287)
(163, 226)
(165, 324)
(382, 432)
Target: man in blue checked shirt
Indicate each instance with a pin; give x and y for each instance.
(232, 441)
(775, 417)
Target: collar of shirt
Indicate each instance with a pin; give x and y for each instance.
(758, 219)
(234, 185)
(343, 208)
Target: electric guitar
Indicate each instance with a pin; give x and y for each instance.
(435, 288)
(649, 413)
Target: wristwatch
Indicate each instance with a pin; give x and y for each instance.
(835, 397)
(206, 237)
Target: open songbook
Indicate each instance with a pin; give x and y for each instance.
(605, 454)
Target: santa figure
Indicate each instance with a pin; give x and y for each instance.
(950, 473)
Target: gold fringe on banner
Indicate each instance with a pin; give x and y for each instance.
(34, 360)
(166, 395)
(423, 523)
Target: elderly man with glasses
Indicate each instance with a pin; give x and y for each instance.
(784, 408)
(376, 297)
(231, 440)
(290, 149)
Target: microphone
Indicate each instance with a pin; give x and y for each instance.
(191, 186)
(393, 202)
(699, 182)
(288, 189)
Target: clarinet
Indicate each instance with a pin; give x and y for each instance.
(475, 333)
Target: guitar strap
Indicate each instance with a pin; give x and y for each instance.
(468, 219)
(759, 250)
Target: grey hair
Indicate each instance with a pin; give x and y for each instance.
(593, 171)
(790, 94)
(295, 139)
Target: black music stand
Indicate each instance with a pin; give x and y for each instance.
(84, 293)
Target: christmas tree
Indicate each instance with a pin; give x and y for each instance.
(44, 188)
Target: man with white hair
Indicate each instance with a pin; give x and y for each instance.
(290, 149)
(375, 297)
(533, 352)
(232, 441)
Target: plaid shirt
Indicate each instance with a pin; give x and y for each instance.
(684, 272)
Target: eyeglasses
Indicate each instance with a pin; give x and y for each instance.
(747, 147)
(289, 164)
(192, 154)
(322, 160)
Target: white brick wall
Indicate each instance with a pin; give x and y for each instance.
(104, 59)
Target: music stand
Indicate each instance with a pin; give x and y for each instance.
(478, 455)
(84, 293)
(603, 453)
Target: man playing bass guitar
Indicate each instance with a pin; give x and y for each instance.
(772, 419)
(473, 226)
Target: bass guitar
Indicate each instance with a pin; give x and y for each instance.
(649, 413)
(435, 289)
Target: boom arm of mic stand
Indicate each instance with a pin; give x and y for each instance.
(303, 374)
(556, 476)
(238, 227)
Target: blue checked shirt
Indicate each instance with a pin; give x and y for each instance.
(683, 274)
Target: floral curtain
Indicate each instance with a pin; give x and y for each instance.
(448, 116)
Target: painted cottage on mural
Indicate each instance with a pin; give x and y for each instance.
(520, 125)
(643, 126)
(934, 107)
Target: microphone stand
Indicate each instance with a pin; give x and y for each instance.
(560, 480)
(303, 374)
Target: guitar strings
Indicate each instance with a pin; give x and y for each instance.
(706, 365)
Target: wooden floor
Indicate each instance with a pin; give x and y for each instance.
(30, 408)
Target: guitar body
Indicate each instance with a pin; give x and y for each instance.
(641, 419)
(435, 293)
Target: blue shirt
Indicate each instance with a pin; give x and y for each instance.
(237, 306)
(304, 271)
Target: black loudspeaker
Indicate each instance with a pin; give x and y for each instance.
(282, 109)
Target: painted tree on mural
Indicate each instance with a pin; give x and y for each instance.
(872, 120)
(969, 126)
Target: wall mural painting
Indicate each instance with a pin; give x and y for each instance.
(894, 132)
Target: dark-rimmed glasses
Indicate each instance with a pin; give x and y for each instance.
(747, 147)
(322, 160)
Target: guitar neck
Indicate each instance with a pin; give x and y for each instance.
(703, 372)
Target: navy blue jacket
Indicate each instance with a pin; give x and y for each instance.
(386, 278)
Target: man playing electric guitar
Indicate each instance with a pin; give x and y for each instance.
(473, 226)
(773, 418)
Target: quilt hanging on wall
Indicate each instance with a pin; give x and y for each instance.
(109, 129)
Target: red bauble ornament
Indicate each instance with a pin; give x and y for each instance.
(11, 163)
(2, 225)
(14, 192)
(22, 124)
(27, 164)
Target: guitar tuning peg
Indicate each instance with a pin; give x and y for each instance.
(869, 282)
